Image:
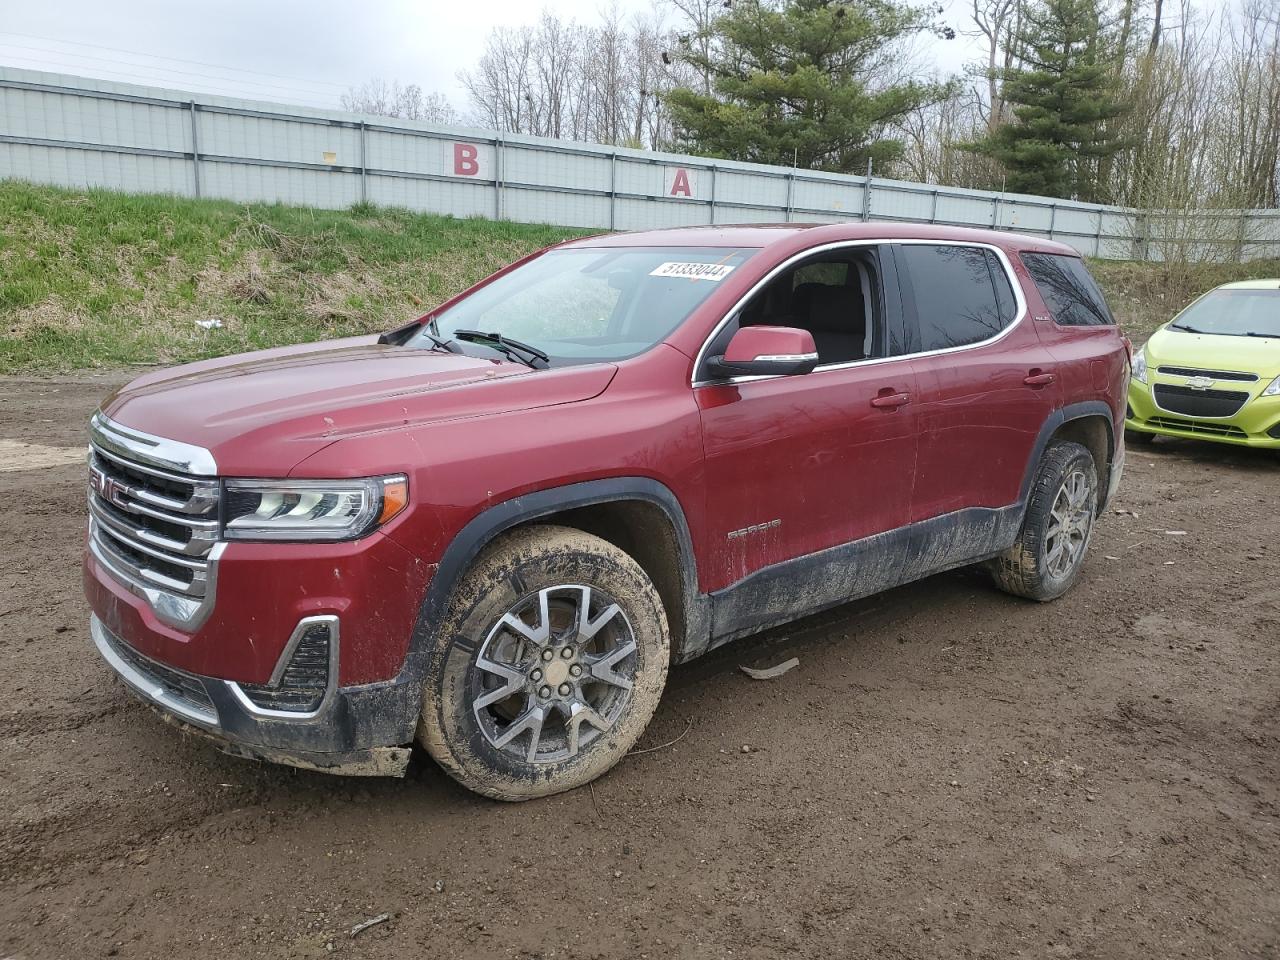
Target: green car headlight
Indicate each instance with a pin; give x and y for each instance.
(1273, 390)
(1139, 372)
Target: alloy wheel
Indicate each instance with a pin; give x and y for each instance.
(554, 674)
(1070, 523)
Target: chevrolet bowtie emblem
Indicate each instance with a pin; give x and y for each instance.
(1200, 383)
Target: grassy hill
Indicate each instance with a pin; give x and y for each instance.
(100, 279)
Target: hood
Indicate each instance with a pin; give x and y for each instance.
(262, 413)
(1206, 351)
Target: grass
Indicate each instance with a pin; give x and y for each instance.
(100, 279)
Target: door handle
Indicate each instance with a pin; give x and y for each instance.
(1041, 379)
(890, 401)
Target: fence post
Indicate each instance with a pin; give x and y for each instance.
(195, 148)
(866, 195)
(497, 177)
(613, 190)
(933, 210)
(1053, 218)
(791, 190)
(1240, 238)
(364, 167)
(1141, 236)
(713, 194)
(995, 212)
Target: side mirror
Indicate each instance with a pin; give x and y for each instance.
(766, 352)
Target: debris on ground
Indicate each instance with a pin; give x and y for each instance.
(770, 673)
(213, 323)
(364, 925)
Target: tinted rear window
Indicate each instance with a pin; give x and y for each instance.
(955, 294)
(1069, 292)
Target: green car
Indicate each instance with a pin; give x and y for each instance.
(1213, 372)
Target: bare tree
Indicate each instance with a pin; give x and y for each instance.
(995, 22)
(559, 78)
(384, 99)
(695, 32)
(500, 85)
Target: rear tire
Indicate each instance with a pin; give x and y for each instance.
(547, 666)
(1049, 553)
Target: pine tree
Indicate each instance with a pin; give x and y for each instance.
(1064, 95)
(797, 81)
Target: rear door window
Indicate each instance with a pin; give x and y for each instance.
(1004, 292)
(955, 295)
(1068, 291)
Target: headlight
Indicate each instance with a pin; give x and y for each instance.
(1273, 390)
(311, 509)
(1140, 365)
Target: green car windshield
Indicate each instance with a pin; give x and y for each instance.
(582, 305)
(1235, 313)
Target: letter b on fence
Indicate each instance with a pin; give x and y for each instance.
(466, 159)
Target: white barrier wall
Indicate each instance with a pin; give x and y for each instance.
(80, 132)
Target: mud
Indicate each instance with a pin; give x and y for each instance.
(949, 772)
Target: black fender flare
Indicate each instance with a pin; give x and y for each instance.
(1059, 417)
(491, 523)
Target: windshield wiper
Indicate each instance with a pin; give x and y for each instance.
(403, 335)
(439, 342)
(505, 345)
(1180, 326)
(1265, 336)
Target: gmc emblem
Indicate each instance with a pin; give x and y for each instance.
(106, 487)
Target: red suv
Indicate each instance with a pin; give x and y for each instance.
(491, 531)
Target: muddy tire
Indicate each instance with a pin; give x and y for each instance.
(547, 667)
(1049, 553)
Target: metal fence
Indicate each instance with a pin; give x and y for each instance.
(80, 132)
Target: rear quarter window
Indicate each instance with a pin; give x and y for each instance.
(956, 297)
(1072, 296)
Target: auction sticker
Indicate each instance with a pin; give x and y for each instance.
(693, 271)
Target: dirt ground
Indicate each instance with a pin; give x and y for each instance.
(950, 772)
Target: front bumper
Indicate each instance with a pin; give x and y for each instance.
(1255, 424)
(360, 731)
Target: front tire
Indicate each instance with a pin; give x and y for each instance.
(1049, 553)
(547, 667)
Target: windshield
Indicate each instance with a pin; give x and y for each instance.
(588, 304)
(1237, 313)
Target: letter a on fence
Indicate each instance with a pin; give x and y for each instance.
(681, 182)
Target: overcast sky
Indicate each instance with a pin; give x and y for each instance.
(299, 52)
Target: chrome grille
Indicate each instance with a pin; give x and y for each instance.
(152, 523)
